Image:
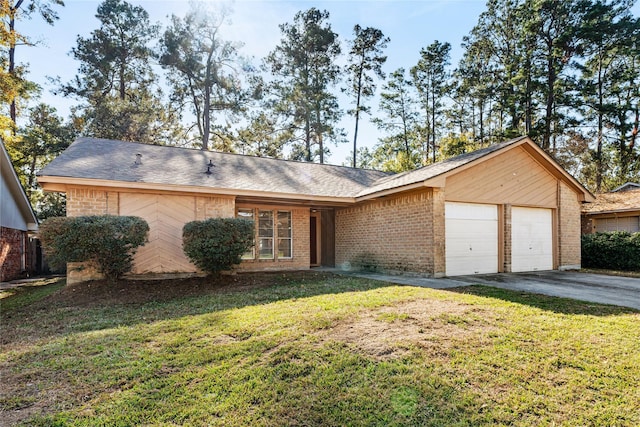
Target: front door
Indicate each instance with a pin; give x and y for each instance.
(314, 239)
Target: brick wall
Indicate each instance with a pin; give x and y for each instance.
(394, 234)
(11, 253)
(569, 228)
(215, 207)
(506, 238)
(300, 241)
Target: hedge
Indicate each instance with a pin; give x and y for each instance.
(108, 241)
(618, 250)
(217, 244)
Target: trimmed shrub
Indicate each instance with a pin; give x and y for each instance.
(108, 241)
(217, 244)
(616, 250)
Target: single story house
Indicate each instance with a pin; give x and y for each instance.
(618, 210)
(17, 224)
(505, 208)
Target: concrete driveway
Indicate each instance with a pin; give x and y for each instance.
(622, 291)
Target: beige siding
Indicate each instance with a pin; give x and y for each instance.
(166, 215)
(391, 234)
(629, 224)
(513, 177)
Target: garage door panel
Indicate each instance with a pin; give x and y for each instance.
(531, 239)
(471, 235)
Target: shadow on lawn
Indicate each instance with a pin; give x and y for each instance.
(98, 305)
(544, 302)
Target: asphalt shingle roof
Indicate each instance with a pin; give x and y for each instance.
(609, 202)
(103, 159)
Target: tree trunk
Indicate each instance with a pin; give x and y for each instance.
(12, 59)
(355, 132)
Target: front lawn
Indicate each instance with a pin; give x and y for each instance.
(310, 349)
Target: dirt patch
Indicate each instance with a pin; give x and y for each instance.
(100, 292)
(431, 325)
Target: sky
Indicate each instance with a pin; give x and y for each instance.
(410, 24)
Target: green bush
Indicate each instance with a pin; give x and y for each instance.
(216, 244)
(617, 250)
(108, 241)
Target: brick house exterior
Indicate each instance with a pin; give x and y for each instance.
(17, 224)
(331, 215)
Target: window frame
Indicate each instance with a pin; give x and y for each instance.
(276, 237)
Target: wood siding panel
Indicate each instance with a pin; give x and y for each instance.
(512, 178)
(166, 216)
(328, 238)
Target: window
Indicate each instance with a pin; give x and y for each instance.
(265, 234)
(274, 234)
(284, 234)
(248, 214)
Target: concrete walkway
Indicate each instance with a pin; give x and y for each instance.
(600, 288)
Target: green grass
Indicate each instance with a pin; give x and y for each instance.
(335, 351)
(24, 295)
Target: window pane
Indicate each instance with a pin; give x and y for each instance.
(265, 223)
(248, 214)
(284, 248)
(266, 248)
(284, 224)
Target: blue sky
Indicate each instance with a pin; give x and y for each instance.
(410, 24)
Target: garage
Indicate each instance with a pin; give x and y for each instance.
(471, 238)
(531, 239)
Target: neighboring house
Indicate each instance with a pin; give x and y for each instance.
(508, 207)
(627, 186)
(618, 210)
(17, 222)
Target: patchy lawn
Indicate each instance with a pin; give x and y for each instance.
(313, 349)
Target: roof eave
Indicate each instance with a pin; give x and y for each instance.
(60, 183)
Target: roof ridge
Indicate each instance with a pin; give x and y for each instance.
(224, 153)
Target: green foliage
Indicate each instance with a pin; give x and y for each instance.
(217, 244)
(304, 70)
(365, 58)
(108, 241)
(203, 69)
(618, 250)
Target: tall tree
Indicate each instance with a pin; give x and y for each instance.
(430, 78)
(13, 84)
(304, 69)
(555, 25)
(122, 99)
(365, 58)
(606, 34)
(205, 70)
(43, 137)
(400, 149)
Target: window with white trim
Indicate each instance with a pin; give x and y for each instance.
(248, 214)
(273, 237)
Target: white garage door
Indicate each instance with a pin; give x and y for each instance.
(531, 239)
(166, 215)
(471, 236)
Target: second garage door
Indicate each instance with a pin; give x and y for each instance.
(531, 239)
(471, 238)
